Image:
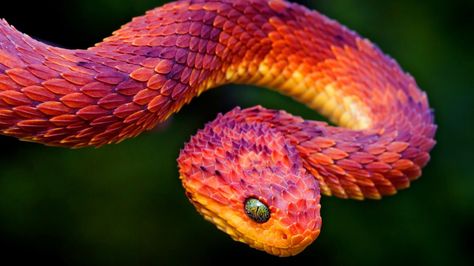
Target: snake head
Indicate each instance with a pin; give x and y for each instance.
(250, 182)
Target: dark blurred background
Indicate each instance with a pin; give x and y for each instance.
(124, 205)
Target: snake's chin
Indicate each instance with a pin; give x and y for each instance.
(230, 161)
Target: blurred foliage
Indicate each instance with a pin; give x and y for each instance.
(123, 204)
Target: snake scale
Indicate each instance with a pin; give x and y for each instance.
(257, 174)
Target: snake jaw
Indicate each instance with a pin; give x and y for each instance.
(276, 237)
(281, 245)
(228, 162)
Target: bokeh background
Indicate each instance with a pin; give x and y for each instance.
(124, 205)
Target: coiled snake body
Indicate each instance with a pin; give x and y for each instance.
(255, 173)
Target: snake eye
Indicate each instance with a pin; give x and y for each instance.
(257, 210)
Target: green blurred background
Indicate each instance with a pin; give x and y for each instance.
(124, 205)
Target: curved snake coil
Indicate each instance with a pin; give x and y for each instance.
(255, 173)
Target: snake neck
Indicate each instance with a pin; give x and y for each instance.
(158, 62)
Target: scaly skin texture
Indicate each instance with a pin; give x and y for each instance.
(155, 64)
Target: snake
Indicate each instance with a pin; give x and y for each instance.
(257, 174)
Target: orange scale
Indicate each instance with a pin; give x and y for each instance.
(22, 76)
(64, 120)
(168, 87)
(129, 87)
(76, 100)
(389, 157)
(75, 127)
(359, 173)
(103, 121)
(400, 183)
(92, 112)
(6, 83)
(96, 89)
(142, 74)
(55, 134)
(102, 138)
(178, 91)
(193, 45)
(410, 152)
(86, 133)
(33, 125)
(141, 41)
(77, 77)
(134, 117)
(10, 60)
(333, 168)
(53, 108)
(125, 67)
(379, 167)
(70, 141)
(195, 29)
(126, 110)
(402, 164)
(58, 61)
(112, 101)
(7, 115)
(362, 157)
(387, 190)
(59, 86)
(164, 67)
(202, 46)
(319, 158)
(370, 192)
(413, 173)
(156, 82)
(335, 154)
(14, 98)
(26, 111)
